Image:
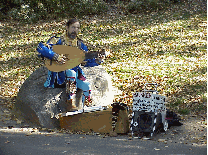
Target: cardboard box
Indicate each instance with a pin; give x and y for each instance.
(98, 121)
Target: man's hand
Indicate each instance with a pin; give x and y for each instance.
(61, 59)
(83, 63)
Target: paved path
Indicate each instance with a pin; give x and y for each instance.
(33, 142)
(28, 141)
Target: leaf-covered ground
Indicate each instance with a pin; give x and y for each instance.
(166, 47)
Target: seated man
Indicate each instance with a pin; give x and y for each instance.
(74, 76)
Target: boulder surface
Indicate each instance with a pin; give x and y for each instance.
(40, 106)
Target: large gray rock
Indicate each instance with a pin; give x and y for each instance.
(102, 92)
(40, 106)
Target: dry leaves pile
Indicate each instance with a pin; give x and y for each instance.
(166, 47)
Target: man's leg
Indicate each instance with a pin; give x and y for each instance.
(85, 87)
(79, 95)
(71, 89)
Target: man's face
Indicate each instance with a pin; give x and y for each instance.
(73, 30)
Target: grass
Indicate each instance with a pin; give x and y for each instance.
(167, 47)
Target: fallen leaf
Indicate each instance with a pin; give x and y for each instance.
(161, 140)
(82, 137)
(48, 135)
(19, 122)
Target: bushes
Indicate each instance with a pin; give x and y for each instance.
(24, 13)
(90, 6)
(147, 5)
(34, 10)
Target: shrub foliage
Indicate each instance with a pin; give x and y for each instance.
(34, 10)
(147, 5)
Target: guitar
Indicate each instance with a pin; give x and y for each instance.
(74, 57)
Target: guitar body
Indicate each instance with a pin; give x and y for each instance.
(73, 55)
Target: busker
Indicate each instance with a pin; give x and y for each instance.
(75, 76)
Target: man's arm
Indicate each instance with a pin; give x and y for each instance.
(46, 51)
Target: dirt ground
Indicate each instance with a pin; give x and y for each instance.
(192, 132)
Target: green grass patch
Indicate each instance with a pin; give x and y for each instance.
(184, 111)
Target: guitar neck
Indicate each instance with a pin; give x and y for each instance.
(94, 54)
